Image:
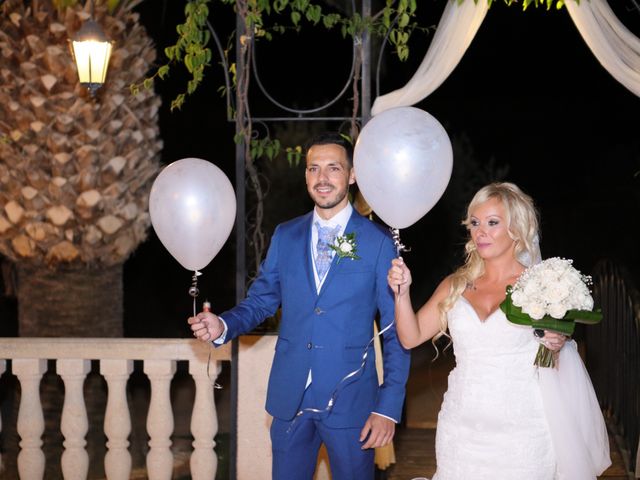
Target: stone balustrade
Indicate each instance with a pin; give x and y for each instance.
(28, 358)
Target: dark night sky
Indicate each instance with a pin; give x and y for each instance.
(528, 95)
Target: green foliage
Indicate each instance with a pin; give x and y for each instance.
(536, 3)
(264, 146)
(294, 155)
(189, 50)
(298, 10)
(348, 138)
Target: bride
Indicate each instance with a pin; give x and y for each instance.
(502, 417)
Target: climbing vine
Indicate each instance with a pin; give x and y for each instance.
(261, 20)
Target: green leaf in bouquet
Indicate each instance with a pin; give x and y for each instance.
(566, 327)
(514, 314)
(584, 316)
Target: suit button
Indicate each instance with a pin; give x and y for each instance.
(309, 345)
(318, 310)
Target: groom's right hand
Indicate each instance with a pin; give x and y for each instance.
(206, 326)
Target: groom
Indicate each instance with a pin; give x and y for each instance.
(319, 389)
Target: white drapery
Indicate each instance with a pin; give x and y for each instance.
(615, 47)
(457, 27)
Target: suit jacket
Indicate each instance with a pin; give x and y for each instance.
(327, 331)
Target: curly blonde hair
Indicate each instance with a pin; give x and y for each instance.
(522, 224)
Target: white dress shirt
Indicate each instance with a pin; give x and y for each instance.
(341, 218)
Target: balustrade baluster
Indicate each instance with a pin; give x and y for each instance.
(160, 419)
(74, 423)
(204, 422)
(27, 359)
(117, 418)
(31, 459)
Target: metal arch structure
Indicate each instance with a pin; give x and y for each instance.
(286, 113)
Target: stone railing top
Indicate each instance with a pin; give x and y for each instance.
(111, 348)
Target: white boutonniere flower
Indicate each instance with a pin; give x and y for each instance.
(345, 246)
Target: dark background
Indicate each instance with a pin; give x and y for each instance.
(528, 103)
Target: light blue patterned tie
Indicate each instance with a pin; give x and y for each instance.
(326, 236)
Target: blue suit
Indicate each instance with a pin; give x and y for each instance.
(326, 332)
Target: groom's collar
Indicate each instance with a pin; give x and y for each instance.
(340, 218)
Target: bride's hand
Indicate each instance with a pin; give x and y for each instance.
(399, 277)
(553, 341)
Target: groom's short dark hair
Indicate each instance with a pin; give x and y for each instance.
(332, 138)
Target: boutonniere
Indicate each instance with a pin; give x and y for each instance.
(345, 246)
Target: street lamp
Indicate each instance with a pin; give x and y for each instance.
(91, 52)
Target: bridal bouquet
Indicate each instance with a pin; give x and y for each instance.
(551, 295)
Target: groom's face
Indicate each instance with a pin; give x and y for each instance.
(328, 176)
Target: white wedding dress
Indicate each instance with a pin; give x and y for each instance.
(504, 419)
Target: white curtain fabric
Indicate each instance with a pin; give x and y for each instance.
(456, 29)
(615, 47)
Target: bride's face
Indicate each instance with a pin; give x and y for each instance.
(489, 230)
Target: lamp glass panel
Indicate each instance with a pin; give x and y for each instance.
(92, 60)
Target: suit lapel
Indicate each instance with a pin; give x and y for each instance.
(308, 257)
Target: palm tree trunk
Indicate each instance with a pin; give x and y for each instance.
(79, 302)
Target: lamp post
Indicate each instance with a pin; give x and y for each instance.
(91, 52)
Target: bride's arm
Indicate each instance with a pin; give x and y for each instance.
(414, 329)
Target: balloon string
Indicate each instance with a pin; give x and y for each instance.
(193, 289)
(400, 247)
(194, 292)
(340, 386)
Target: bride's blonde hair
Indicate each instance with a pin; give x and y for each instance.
(522, 225)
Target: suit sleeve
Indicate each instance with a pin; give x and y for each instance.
(263, 298)
(396, 359)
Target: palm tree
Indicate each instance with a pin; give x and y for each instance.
(75, 171)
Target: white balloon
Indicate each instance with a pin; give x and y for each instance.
(402, 160)
(193, 207)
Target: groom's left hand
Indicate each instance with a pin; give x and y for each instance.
(378, 431)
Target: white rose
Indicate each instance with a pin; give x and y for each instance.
(517, 297)
(534, 310)
(557, 310)
(585, 302)
(557, 293)
(574, 277)
(346, 247)
(549, 276)
(530, 289)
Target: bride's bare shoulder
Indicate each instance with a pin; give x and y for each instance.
(444, 288)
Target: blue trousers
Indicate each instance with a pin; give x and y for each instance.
(295, 445)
